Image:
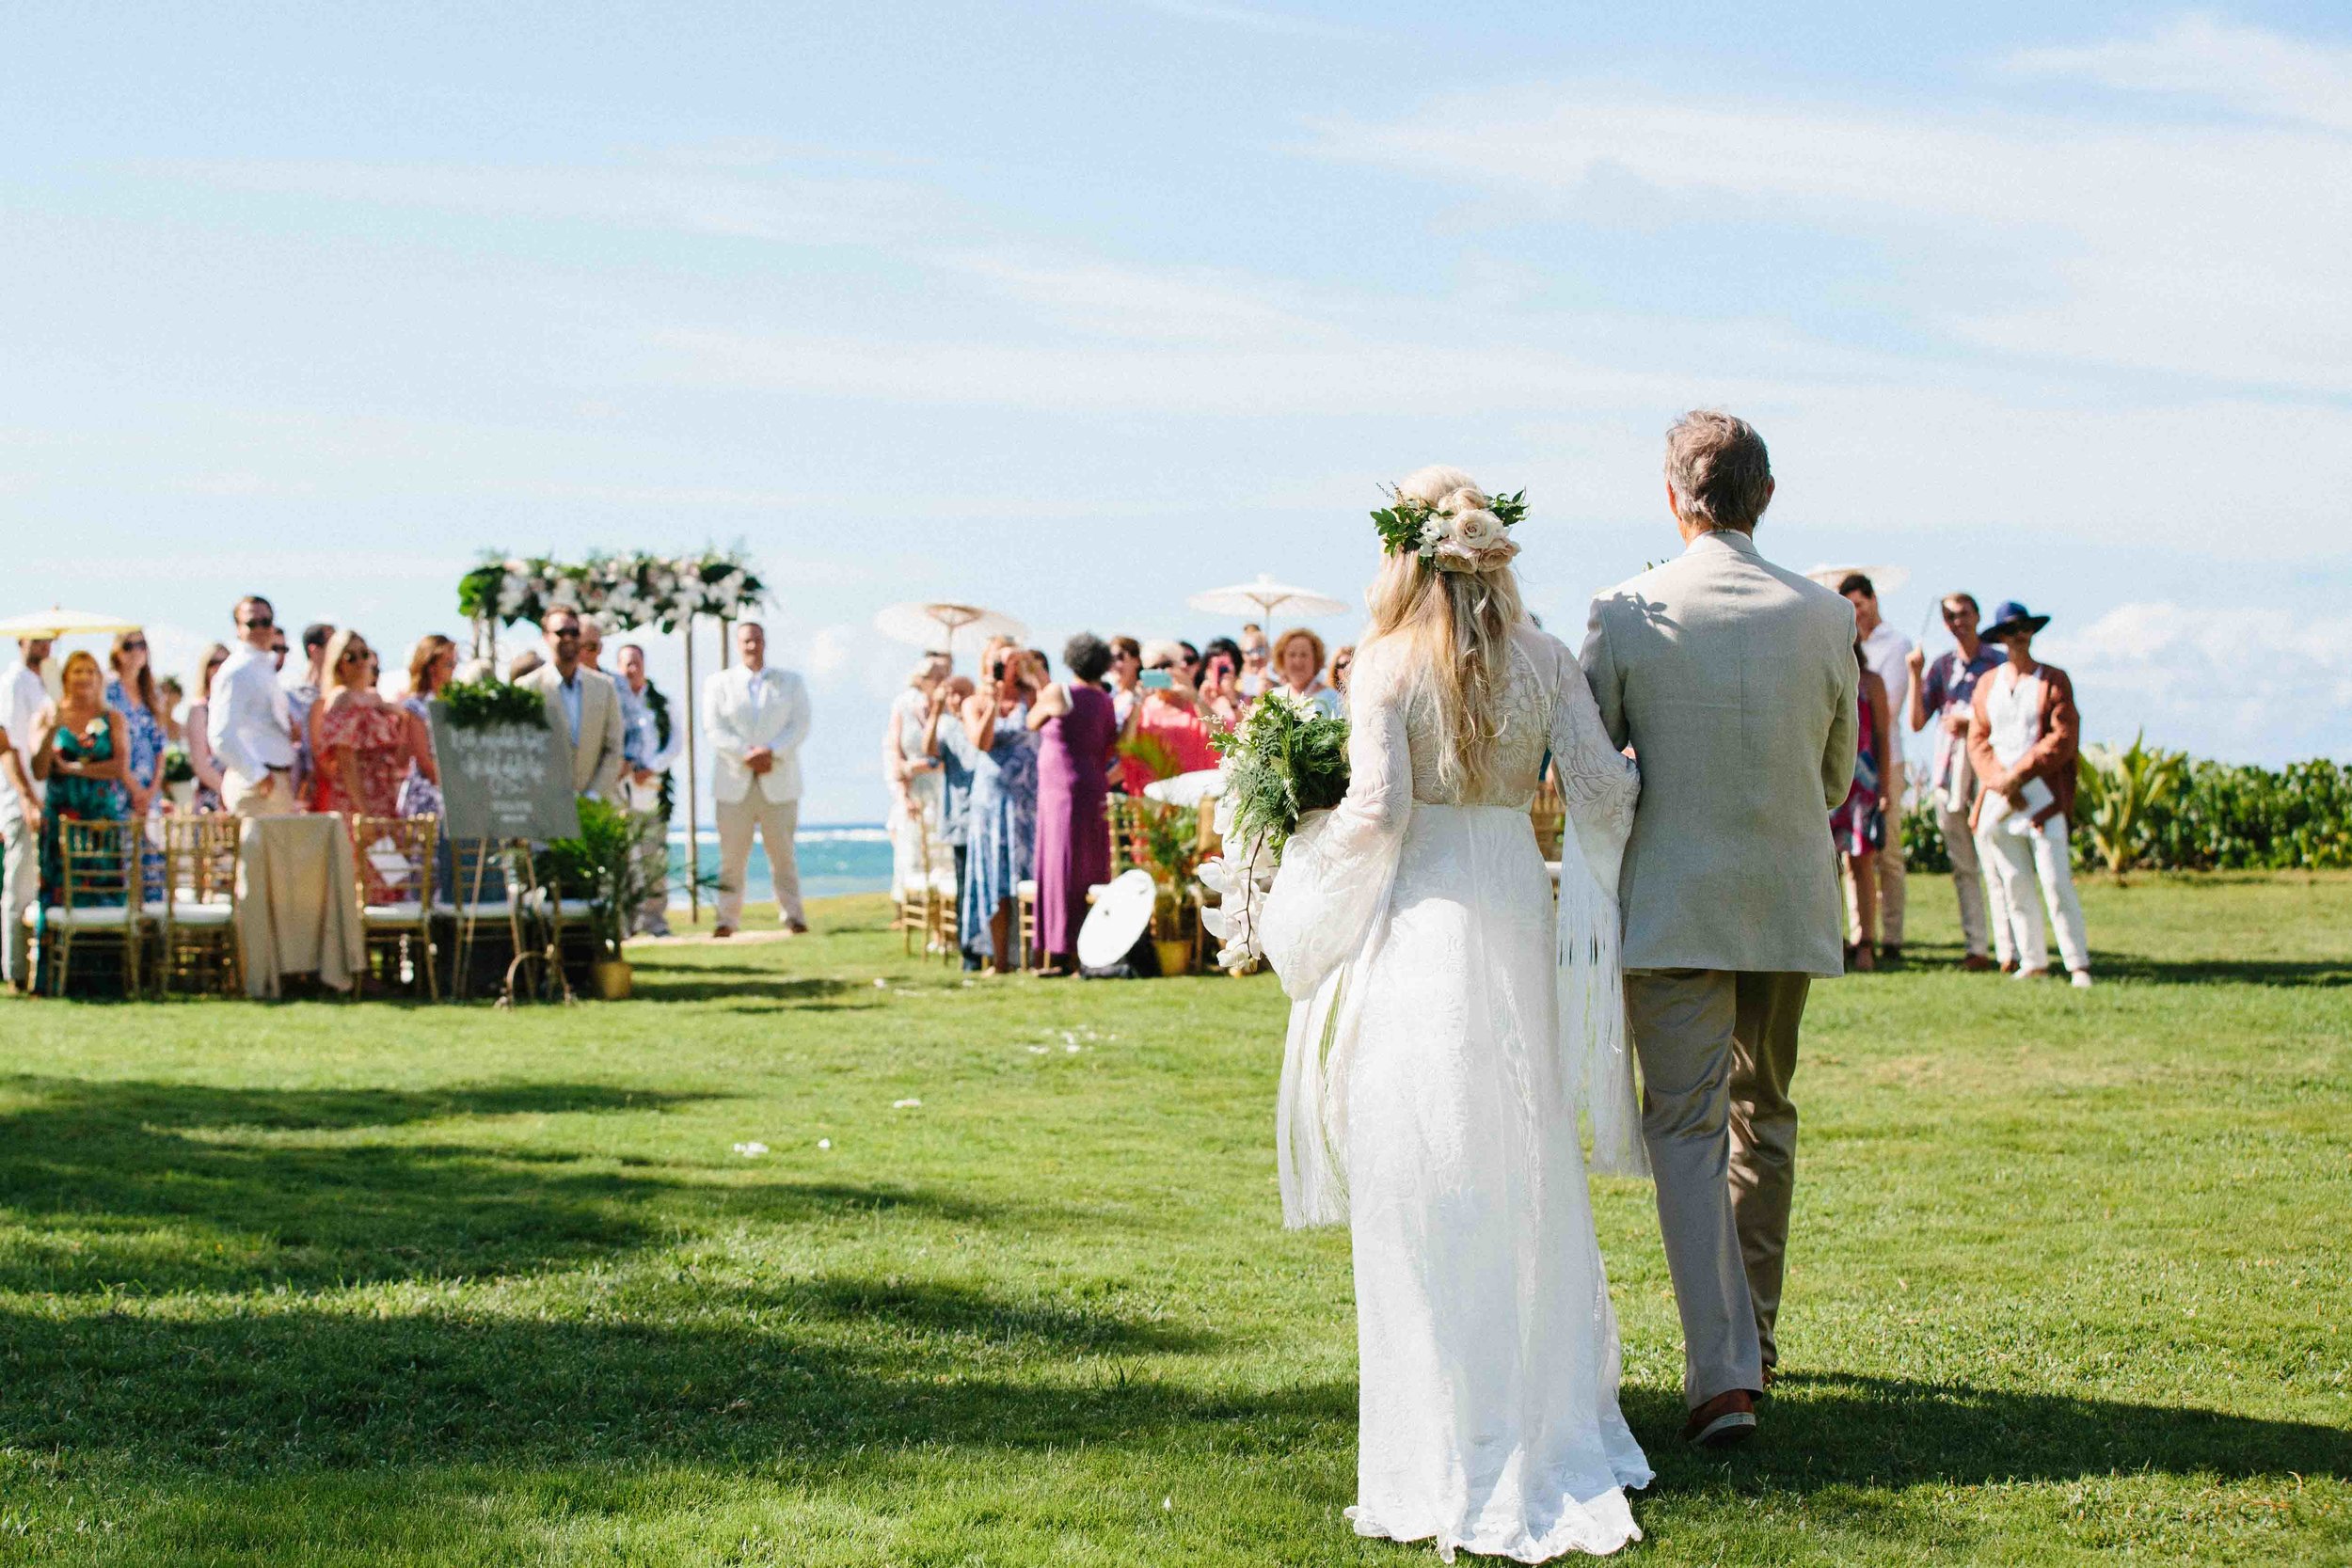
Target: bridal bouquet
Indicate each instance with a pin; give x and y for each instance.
(1284, 759)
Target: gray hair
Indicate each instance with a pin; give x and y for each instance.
(1719, 471)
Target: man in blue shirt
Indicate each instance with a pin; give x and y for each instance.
(1942, 692)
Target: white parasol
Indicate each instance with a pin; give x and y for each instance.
(58, 622)
(1266, 597)
(1887, 579)
(1187, 789)
(1120, 915)
(952, 627)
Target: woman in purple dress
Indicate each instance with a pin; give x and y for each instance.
(1078, 727)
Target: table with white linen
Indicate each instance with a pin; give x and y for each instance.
(297, 902)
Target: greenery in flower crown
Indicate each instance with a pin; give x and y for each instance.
(1283, 760)
(492, 703)
(1410, 526)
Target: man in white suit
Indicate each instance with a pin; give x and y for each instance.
(1734, 681)
(757, 718)
(582, 708)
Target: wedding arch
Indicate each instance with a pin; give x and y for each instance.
(620, 591)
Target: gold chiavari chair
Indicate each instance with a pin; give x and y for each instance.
(395, 860)
(480, 890)
(99, 905)
(197, 918)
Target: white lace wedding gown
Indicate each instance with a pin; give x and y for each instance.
(1432, 1099)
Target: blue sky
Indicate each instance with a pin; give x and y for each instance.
(1072, 310)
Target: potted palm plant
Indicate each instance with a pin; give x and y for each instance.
(1170, 844)
(608, 865)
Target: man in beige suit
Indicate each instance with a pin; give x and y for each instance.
(1735, 682)
(581, 706)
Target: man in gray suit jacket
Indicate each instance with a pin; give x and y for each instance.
(1735, 682)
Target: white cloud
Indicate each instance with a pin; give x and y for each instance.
(2243, 684)
(2209, 251)
(2246, 68)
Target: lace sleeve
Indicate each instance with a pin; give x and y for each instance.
(1598, 782)
(1335, 871)
(1601, 785)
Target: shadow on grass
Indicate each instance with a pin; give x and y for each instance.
(1849, 1430)
(2208, 972)
(687, 983)
(141, 1188)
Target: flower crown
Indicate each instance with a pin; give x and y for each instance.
(1464, 531)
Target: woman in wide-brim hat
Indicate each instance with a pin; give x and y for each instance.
(2023, 735)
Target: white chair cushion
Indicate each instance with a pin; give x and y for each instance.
(192, 913)
(409, 913)
(1027, 887)
(85, 918)
(486, 908)
(577, 909)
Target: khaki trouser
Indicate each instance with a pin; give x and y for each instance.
(237, 794)
(1718, 1048)
(776, 823)
(20, 886)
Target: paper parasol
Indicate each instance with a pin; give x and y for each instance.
(952, 627)
(1265, 598)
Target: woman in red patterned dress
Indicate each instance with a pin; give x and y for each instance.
(361, 745)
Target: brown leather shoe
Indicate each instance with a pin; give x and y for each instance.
(1728, 1418)
(1977, 963)
(723, 931)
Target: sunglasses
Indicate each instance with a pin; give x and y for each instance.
(351, 655)
(257, 621)
(560, 633)
(138, 645)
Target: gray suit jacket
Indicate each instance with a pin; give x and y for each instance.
(596, 757)
(1734, 681)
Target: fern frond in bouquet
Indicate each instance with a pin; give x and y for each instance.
(1284, 759)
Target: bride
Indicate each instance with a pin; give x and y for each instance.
(1446, 1033)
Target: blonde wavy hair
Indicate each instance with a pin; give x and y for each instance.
(1452, 630)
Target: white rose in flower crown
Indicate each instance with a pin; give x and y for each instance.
(1468, 498)
(1478, 529)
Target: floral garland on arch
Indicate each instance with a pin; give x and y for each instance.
(619, 590)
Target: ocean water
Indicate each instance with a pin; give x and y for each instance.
(835, 857)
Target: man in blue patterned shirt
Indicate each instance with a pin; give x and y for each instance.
(1942, 692)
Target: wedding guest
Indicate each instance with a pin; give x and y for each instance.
(1943, 694)
(650, 743)
(1221, 696)
(1255, 673)
(130, 692)
(83, 758)
(1076, 730)
(2023, 733)
(172, 694)
(1297, 662)
(304, 692)
(361, 746)
(1342, 665)
(1165, 735)
(1191, 665)
(944, 737)
(201, 760)
(1859, 824)
(432, 663)
(251, 725)
(1887, 652)
(1001, 847)
(757, 718)
(1126, 669)
(23, 695)
(912, 776)
(582, 708)
(592, 643)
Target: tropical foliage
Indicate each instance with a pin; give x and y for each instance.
(1283, 760)
(491, 703)
(608, 865)
(2187, 815)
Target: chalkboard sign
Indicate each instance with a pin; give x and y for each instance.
(504, 780)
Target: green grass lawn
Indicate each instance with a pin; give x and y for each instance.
(374, 1285)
